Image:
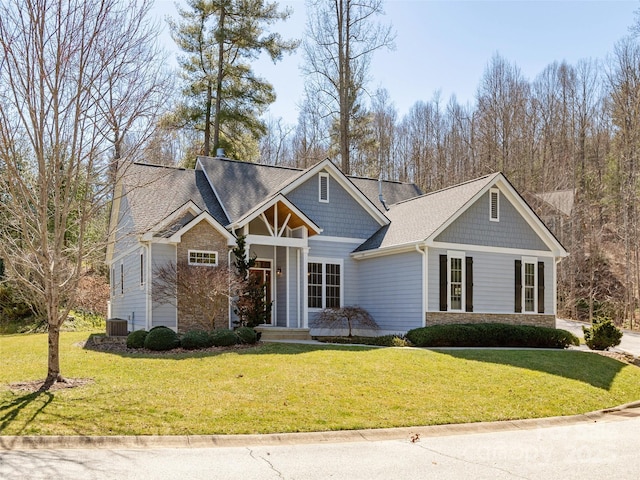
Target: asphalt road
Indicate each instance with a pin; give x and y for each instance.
(629, 343)
(606, 448)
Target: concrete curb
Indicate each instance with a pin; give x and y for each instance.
(342, 436)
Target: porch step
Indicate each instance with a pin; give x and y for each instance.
(283, 333)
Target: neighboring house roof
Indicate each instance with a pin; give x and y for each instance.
(417, 219)
(561, 200)
(155, 192)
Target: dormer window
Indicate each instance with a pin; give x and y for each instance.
(494, 205)
(323, 187)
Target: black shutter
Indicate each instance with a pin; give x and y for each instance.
(468, 295)
(443, 283)
(540, 287)
(518, 286)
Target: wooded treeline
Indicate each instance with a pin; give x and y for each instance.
(568, 140)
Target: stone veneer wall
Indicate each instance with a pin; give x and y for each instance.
(202, 237)
(445, 318)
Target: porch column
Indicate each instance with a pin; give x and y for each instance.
(305, 288)
(287, 303)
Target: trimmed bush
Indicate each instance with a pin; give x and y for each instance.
(161, 338)
(602, 335)
(491, 335)
(195, 339)
(136, 339)
(247, 335)
(224, 337)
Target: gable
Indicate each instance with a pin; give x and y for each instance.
(474, 227)
(341, 216)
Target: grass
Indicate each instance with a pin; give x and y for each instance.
(292, 388)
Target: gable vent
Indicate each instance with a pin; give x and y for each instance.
(494, 207)
(323, 187)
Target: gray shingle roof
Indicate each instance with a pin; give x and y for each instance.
(242, 185)
(154, 192)
(392, 192)
(416, 219)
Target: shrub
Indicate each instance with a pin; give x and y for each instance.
(247, 335)
(224, 337)
(602, 335)
(195, 339)
(161, 338)
(490, 335)
(136, 339)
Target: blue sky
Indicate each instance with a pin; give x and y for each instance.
(446, 45)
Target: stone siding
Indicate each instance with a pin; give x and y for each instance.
(447, 318)
(216, 314)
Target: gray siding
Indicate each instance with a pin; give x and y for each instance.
(163, 314)
(473, 227)
(341, 217)
(493, 281)
(130, 305)
(390, 289)
(124, 236)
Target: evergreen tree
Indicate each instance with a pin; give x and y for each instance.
(223, 96)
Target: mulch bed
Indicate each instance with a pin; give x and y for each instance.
(621, 357)
(38, 385)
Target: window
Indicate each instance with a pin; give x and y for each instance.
(315, 285)
(323, 187)
(202, 257)
(529, 285)
(494, 205)
(142, 269)
(324, 284)
(456, 282)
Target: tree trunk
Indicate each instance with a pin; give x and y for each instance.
(216, 118)
(53, 367)
(207, 123)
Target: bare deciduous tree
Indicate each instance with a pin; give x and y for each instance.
(350, 317)
(68, 94)
(340, 40)
(200, 293)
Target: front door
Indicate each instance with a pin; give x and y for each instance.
(262, 271)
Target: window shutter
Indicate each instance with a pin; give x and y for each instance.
(518, 286)
(540, 287)
(468, 296)
(443, 283)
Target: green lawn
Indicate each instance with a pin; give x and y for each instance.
(292, 388)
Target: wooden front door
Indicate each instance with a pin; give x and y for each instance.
(262, 271)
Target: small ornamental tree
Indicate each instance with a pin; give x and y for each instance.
(250, 306)
(349, 317)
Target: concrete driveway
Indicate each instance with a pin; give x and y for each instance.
(630, 342)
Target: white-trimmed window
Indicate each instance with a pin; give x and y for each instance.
(324, 283)
(455, 281)
(203, 257)
(323, 187)
(494, 205)
(529, 284)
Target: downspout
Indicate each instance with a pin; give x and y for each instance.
(229, 252)
(425, 281)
